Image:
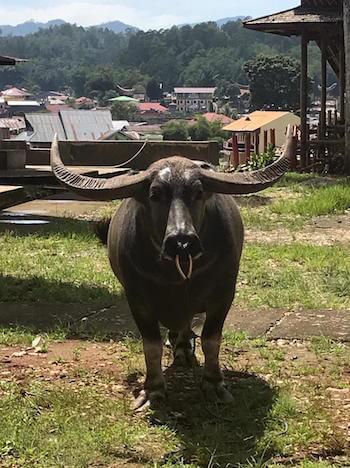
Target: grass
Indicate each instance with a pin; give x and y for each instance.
(74, 269)
(295, 200)
(66, 410)
(295, 276)
(68, 413)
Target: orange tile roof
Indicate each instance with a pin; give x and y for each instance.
(254, 121)
(214, 117)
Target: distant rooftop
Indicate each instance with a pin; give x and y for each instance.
(254, 121)
(15, 92)
(195, 90)
(5, 60)
(151, 106)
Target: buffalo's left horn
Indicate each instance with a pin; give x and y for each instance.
(249, 182)
(123, 186)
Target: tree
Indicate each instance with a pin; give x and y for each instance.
(176, 130)
(204, 130)
(153, 90)
(274, 82)
(124, 111)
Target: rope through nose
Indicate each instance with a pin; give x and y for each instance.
(180, 270)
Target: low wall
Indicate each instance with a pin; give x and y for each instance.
(112, 153)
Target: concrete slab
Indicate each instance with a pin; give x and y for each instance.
(116, 320)
(334, 324)
(61, 205)
(10, 195)
(83, 320)
(254, 322)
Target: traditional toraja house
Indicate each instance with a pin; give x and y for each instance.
(4, 60)
(327, 22)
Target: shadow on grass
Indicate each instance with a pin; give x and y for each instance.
(212, 434)
(78, 312)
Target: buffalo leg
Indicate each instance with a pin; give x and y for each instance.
(213, 382)
(183, 345)
(154, 386)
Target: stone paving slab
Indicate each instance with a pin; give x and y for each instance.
(334, 324)
(254, 322)
(116, 319)
(61, 205)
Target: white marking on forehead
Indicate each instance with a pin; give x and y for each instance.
(165, 173)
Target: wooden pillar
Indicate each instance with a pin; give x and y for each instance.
(303, 101)
(257, 142)
(265, 140)
(247, 146)
(273, 137)
(347, 84)
(341, 82)
(235, 154)
(322, 124)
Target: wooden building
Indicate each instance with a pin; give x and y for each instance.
(327, 23)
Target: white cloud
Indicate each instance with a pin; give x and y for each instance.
(88, 12)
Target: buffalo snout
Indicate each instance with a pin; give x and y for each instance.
(182, 244)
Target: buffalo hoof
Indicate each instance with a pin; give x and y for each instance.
(216, 391)
(148, 399)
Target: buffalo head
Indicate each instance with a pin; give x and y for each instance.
(174, 191)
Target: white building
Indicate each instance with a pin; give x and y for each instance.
(194, 99)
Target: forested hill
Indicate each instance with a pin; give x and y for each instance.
(94, 60)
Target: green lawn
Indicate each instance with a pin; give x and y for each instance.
(291, 399)
(64, 412)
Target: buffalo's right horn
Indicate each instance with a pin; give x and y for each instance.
(123, 186)
(249, 182)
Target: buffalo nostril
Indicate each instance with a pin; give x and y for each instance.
(181, 244)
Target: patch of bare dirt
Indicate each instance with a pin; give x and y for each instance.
(324, 230)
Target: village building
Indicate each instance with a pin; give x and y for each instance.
(327, 23)
(15, 94)
(215, 117)
(194, 99)
(254, 132)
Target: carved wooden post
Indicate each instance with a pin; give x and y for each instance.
(347, 84)
(235, 154)
(247, 146)
(303, 101)
(265, 140)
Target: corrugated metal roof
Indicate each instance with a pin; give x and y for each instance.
(87, 125)
(23, 103)
(45, 126)
(254, 121)
(194, 90)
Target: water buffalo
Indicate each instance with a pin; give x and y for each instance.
(175, 245)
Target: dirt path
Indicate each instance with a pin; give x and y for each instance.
(325, 230)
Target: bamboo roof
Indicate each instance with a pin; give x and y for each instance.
(292, 22)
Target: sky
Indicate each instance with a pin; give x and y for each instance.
(145, 14)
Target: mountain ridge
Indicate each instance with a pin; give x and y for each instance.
(31, 26)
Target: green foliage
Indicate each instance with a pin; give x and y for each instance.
(204, 130)
(175, 130)
(124, 111)
(261, 160)
(95, 60)
(153, 90)
(274, 82)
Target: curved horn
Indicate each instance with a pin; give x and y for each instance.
(123, 186)
(249, 182)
